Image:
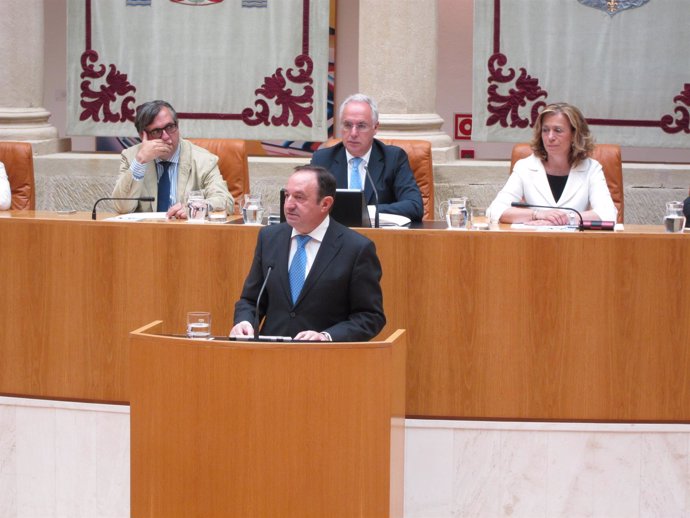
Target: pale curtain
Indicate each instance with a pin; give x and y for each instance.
(229, 70)
(629, 72)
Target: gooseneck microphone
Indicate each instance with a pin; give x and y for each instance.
(376, 196)
(522, 205)
(141, 198)
(258, 301)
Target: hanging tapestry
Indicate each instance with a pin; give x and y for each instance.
(624, 63)
(232, 69)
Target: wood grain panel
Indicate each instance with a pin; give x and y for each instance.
(514, 325)
(222, 429)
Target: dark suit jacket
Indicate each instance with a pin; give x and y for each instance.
(341, 295)
(389, 169)
(686, 211)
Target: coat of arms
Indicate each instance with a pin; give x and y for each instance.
(612, 7)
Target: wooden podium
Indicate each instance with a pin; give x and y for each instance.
(256, 429)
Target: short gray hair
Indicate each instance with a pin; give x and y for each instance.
(361, 98)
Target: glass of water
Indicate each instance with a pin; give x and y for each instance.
(217, 214)
(674, 221)
(252, 209)
(196, 207)
(199, 325)
(479, 219)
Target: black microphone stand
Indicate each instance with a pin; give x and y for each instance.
(518, 204)
(142, 198)
(376, 197)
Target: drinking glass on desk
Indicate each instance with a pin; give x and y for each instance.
(196, 207)
(217, 214)
(273, 214)
(674, 221)
(199, 325)
(479, 219)
(253, 209)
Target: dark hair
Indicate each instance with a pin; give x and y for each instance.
(324, 179)
(147, 112)
(583, 142)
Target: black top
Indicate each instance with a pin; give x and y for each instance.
(557, 184)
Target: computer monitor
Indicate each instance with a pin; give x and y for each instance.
(349, 208)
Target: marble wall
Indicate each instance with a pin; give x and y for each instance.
(71, 460)
(63, 460)
(470, 469)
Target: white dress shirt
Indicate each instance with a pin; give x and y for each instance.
(312, 246)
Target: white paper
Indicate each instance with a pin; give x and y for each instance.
(544, 228)
(139, 216)
(388, 220)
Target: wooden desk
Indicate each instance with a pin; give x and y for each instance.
(246, 429)
(500, 325)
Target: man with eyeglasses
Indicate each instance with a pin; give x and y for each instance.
(388, 166)
(166, 167)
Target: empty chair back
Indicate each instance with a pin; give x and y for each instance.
(232, 162)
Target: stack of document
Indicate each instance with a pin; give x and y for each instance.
(388, 220)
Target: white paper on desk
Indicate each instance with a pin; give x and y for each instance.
(388, 220)
(544, 228)
(139, 216)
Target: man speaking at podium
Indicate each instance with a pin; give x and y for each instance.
(320, 279)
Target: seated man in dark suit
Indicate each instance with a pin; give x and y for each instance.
(388, 165)
(686, 210)
(324, 279)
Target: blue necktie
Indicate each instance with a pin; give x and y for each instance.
(298, 267)
(355, 178)
(164, 189)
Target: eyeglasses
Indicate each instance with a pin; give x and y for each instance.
(361, 126)
(170, 129)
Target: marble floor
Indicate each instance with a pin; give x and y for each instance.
(71, 460)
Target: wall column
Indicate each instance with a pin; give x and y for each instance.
(397, 67)
(22, 116)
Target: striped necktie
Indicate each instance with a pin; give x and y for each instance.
(164, 189)
(298, 267)
(355, 178)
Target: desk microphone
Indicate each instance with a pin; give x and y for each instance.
(376, 196)
(142, 198)
(522, 205)
(258, 301)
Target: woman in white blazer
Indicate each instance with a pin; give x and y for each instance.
(559, 173)
(5, 191)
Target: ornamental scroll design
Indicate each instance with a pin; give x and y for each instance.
(671, 124)
(97, 102)
(612, 7)
(505, 108)
(295, 108)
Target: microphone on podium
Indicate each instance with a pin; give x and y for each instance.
(522, 205)
(141, 198)
(376, 196)
(258, 301)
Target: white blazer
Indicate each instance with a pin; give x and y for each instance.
(585, 189)
(5, 191)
